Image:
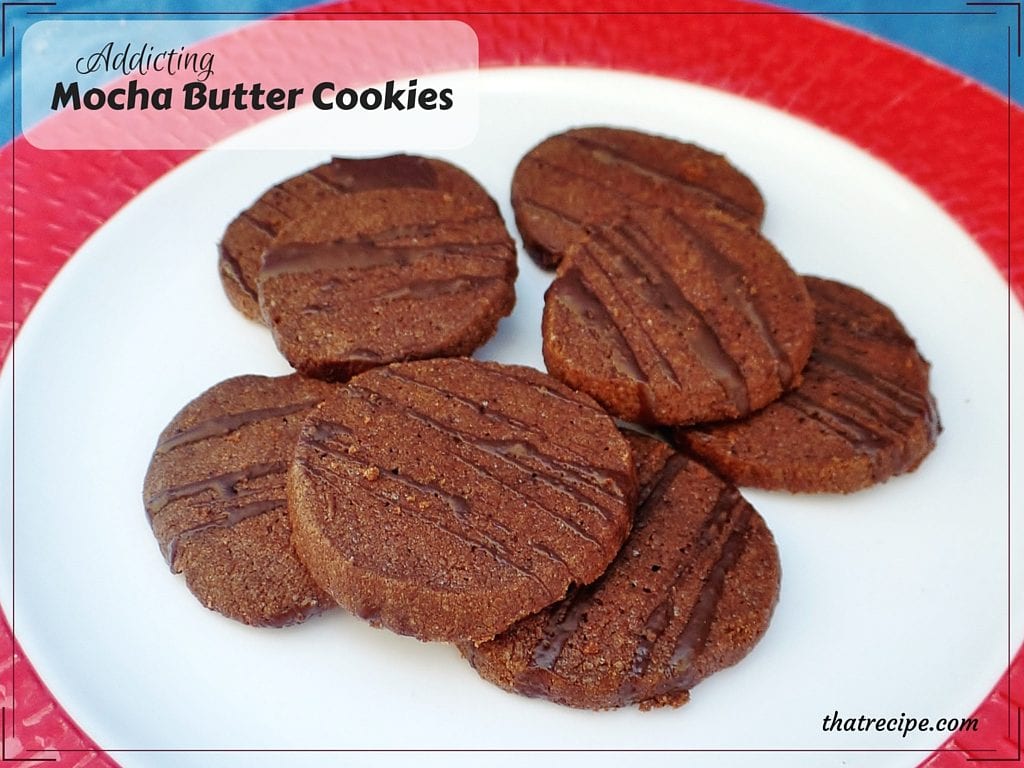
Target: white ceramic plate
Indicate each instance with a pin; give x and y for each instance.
(136, 325)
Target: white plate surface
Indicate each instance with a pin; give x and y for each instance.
(894, 599)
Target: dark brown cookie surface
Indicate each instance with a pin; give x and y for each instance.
(445, 499)
(863, 413)
(385, 276)
(588, 176)
(676, 317)
(691, 592)
(248, 236)
(216, 499)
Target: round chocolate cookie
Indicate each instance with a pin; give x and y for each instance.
(216, 499)
(588, 176)
(384, 276)
(677, 316)
(446, 499)
(862, 414)
(248, 236)
(691, 592)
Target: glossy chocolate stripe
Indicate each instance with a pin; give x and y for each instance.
(573, 293)
(228, 423)
(564, 620)
(859, 436)
(569, 471)
(720, 524)
(232, 517)
(497, 551)
(638, 278)
(432, 289)
(459, 507)
(876, 415)
(605, 153)
(349, 175)
(292, 258)
(505, 452)
(662, 479)
(712, 527)
(495, 448)
(692, 639)
(548, 552)
(223, 485)
(909, 403)
(730, 276)
(840, 317)
(873, 411)
(233, 269)
(886, 424)
(601, 480)
(561, 625)
(703, 339)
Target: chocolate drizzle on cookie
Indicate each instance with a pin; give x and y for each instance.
(863, 413)
(728, 520)
(216, 500)
(341, 286)
(360, 175)
(664, 181)
(691, 591)
(223, 486)
(483, 490)
(580, 178)
(252, 231)
(730, 277)
(219, 426)
(340, 256)
(663, 325)
(660, 289)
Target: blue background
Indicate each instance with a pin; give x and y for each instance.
(970, 39)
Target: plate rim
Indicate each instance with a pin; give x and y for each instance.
(631, 51)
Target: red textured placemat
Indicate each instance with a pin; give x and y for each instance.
(949, 136)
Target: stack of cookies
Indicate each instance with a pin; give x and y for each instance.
(570, 556)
